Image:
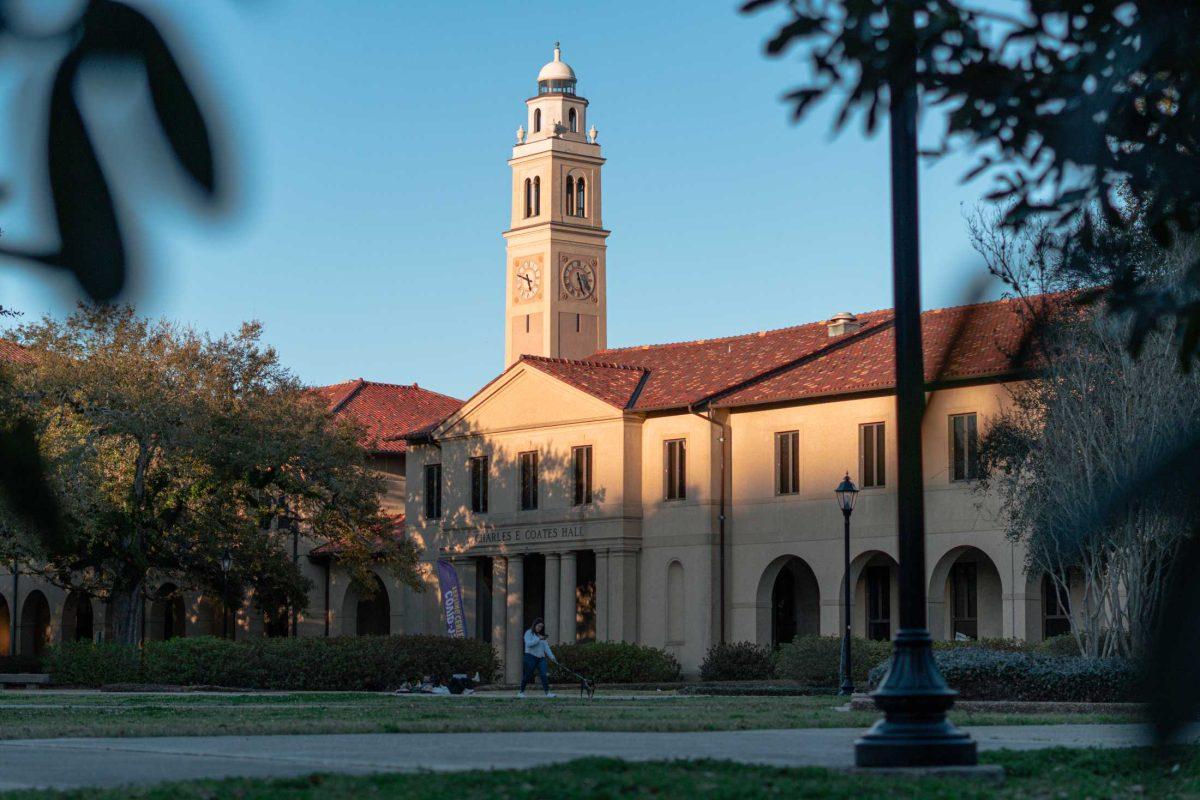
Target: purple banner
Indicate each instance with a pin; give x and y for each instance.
(452, 602)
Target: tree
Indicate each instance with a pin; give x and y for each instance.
(1096, 418)
(165, 447)
(1064, 101)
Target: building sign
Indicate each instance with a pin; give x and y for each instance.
(540, 533)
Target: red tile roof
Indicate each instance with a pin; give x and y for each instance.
(615, 384)
(387, 411)
(960, 343)
(14, 353)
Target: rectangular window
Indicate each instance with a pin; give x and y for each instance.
(964, 447)
(870, 452)
(879, 603)
(529, 480)
(787, 462)
(675, 469)
(479, 484)
(433, 491)
(964, 587)
(1056, 608)
(581, 458)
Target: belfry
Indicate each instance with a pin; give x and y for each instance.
(555, 301)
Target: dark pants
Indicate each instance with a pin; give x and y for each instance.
(542, 665)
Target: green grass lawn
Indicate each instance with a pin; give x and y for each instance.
(1062, 774)
(59, 714)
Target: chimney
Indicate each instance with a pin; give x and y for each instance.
(842, 323)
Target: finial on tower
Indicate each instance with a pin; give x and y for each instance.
(557, 52)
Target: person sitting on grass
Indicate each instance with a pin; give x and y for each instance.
(538, 655)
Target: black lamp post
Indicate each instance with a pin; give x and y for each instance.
(846, 493)
(914, 696)
(226, 564)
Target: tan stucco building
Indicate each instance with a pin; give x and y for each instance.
(681, 494)
(675, 495)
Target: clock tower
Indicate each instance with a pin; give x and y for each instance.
(555, 301)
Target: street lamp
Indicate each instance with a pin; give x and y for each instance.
(846, 493)
(226, 563)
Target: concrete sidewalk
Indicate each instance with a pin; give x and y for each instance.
(73, 763)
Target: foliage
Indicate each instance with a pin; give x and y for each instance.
(166, 448)
(817, 660)
(92, 663)
(738, 661)
(616, 662)
(980, 674)
(1063, 100)
(362, 663)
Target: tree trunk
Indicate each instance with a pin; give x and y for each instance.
(127, 610)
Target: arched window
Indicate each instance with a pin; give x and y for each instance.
(580, 209)
(528, 197)
(573, 119)
(537, 120)
(537, 196)
(570, 196)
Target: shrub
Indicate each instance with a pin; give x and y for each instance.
(92, 663)
(368, 663)
(738, 661)
(980, 674)
(997, 644)
(817, 660)
(617, 662)
(1063, 645)
(11, 664)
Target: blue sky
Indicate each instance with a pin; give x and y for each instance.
(372, 136)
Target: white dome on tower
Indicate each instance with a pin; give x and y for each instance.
(556, 70)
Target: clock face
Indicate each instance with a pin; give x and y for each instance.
(528, 279)
(579, 279)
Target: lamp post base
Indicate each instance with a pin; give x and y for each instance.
(914, 698)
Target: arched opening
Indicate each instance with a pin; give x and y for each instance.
(78, 622)
(537, 120)
(528, 197)
(570, 196)
(5, 628)
(35, 624)
(573, 121)
(369, 604)
(965, 596)
(167, 614)
(876, 604)
(676, 604)
(537, 196)
(789, 601)
(580, 195)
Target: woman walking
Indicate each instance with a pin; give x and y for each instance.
(538, 656)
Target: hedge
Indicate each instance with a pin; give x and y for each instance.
(617, 662)
(980, 674)
(738, 661)
(364, 663)
(817, 660)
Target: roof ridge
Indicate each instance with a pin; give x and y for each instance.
(414, 385)
(583, 362)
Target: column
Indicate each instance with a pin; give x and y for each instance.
(466, 579)
(552, 580)
(515, 640)
(622, 596)
(500, 610)
(602, 596)
(566, 598)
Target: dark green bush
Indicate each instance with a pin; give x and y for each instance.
(980, 674)
(617, 662)
(92, 663)
(1064, 645)
(368, 663)
(996, 644)
(20, 664)
(738, 661)
(817, 660)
